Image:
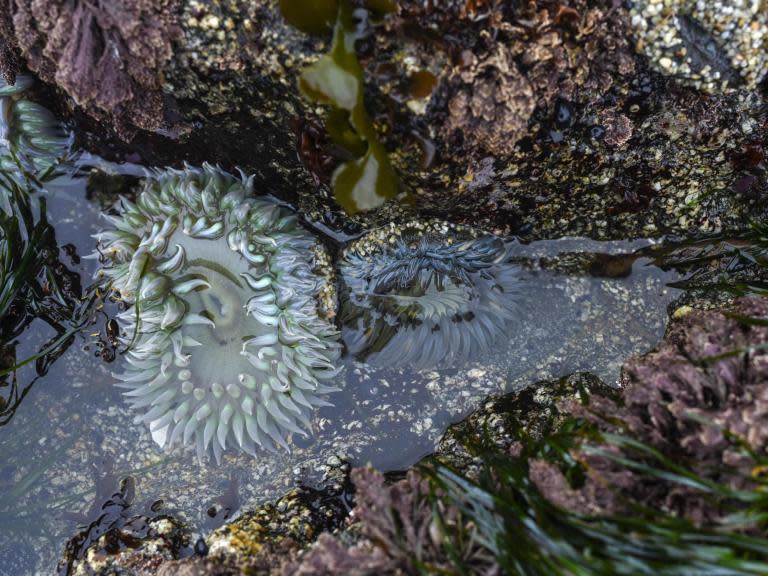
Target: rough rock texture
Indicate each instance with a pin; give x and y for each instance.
(535, 410)
(713, 45)
(532, 117)
(258, 542)
(9, 50)
(272, 538)
(537, 118)
(525, 54)
(493, 104)
(120, 534)
(398, 534)
(107, 56)
(685, 402)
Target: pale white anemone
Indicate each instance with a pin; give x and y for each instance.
(426, 295)
(228, 344)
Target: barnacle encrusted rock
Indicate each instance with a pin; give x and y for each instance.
(227, 340)
(31, 133)
(425, 293)
(529, 55)
(705, 385)
(9, 50)
(119, 537)
(108, 56)
(493, 105)
(714, 46)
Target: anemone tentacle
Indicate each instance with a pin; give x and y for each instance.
(229, 335)
(426, 294)
(29, 130)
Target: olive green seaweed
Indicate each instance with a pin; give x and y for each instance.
(368, 179)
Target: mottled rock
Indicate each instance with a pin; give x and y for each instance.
(532, 118)
(493, 104)
(399, 533)
(705, 385)
(534, 411)
(260, 537)
(714, 46)
(122, 538)
(108, 57)
(710, 368)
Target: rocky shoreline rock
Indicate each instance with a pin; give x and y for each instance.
(675, 399)
(539, 119)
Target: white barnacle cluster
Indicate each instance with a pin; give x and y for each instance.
(426, 294)
(226, 343)
(713, 45)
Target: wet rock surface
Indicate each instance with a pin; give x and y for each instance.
(120, 534)
(390, 417)
(257, 542)
(272, 537)
(535, 118)
(714, 46)
(107, 58)
(538, 119)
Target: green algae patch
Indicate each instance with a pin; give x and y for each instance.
(368, 179)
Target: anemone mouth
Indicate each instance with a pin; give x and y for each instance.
(414, 297)
(228, 343)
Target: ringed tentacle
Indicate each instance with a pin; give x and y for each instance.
(229, 341)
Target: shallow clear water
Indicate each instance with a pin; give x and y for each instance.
(73, 429)
(73, 432)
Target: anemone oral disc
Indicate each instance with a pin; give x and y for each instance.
(223, 290)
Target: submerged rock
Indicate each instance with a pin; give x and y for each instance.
(120, 535)
(672, 400)
(259, 541)
(273, 538)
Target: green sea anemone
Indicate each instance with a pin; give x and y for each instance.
(28, 131)
(227, 327)
(426, 295)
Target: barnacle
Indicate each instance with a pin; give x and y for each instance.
(226, 337)
(426, 294)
